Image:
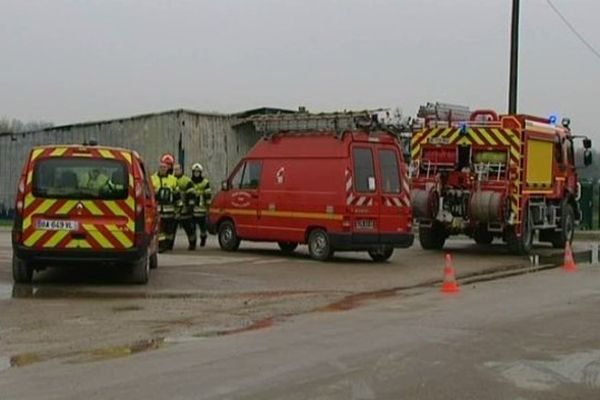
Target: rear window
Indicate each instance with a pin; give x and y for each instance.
(390, 174)
(80, 178)
(364, 174)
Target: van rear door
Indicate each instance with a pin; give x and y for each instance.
(395, 212)
(80, 202)
(362, 200)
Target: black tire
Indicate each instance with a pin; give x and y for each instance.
(382, 254)
(140, 271)
(319, 245)
(567, 225)
(433, 237)
(22, 272)
(287, 247)
(482, 236)
(154, 261)
(522, 245)
(228, 238)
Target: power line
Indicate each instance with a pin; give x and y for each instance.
(572, 29)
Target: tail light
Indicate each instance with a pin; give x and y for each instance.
(139, 214)
(20, 196)
(17, 233)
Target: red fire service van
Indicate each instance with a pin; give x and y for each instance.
(335, 191)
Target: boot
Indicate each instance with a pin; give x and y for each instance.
(202, 241)
(192, 246)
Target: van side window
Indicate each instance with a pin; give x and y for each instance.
(364, 172)
(251, 179)
(236, 180)
(390, 175)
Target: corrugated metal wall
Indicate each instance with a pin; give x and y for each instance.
(205, 138)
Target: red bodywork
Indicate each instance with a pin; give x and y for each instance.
(308, 181)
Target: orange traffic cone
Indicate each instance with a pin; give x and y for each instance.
(449, 285)
(569, 264)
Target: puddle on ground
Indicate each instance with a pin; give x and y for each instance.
(578, 368)
(112, 352)
(183, 339)
(21, 360)
(6, 291)
(4, 363)
(356, 300)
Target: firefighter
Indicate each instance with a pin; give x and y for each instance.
(165, 186)
(202, 192)
(184, 204)
(168, 159)
(94, 181)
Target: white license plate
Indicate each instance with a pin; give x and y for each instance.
(367, 224)
(57, 225)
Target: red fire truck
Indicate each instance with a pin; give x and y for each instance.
(505, 176)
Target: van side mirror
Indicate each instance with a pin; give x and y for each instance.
(587, 143)
(224, 185)
(587, 157)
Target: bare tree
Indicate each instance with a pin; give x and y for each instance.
(17, 126)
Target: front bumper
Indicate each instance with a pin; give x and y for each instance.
(360, 242)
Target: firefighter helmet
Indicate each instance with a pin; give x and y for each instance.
(197, 167)
(167, 159)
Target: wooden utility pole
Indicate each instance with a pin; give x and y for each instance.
(514, 59)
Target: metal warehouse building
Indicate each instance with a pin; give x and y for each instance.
(217, 141)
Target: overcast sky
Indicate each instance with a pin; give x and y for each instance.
(71, 61)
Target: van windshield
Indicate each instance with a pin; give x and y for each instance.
(80, 178)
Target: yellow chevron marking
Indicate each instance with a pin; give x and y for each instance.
(28, 200)
(454, 136)
(59, 151)
(130, 180)
(42, 208)
(515, 153)
(120, 236)
(91, 230)
(501, 137)
(56, 238)
(65, 208)
(130, 203)
(463, 141)
(446, 132)
(416, 138)
(431, 134)
(29, 177)
(92, 207)
(415, 151)
(487, 137)
(475, 137)
(127, 156)
(72, 244)
(84, 244)
(33, 238)
(115, 209)
(515, 137)
(106, 154)
(36, 153)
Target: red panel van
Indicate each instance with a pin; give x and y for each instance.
(334, 193)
